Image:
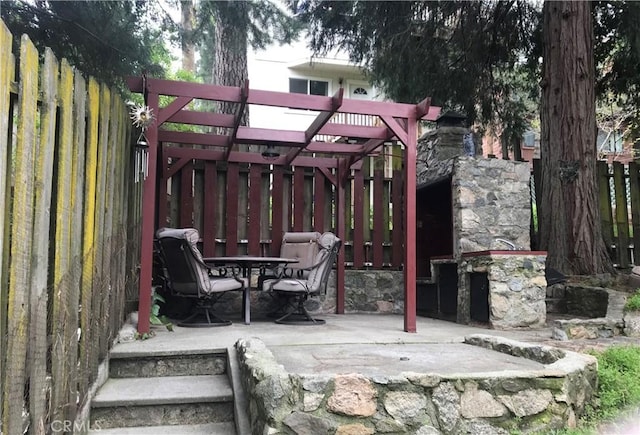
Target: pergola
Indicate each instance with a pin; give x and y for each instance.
(399, 122)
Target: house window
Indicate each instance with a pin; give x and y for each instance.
(360, 91)
(310, 87)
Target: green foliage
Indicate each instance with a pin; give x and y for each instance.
(263, 20)
(467, 56)
(617, 55)
(618, 388)
(259, 23)
(156, 318)
(618, 380)
(106, 40)
(633, 303)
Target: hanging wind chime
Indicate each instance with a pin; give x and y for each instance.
(142, 117)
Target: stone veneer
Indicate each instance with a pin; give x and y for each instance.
(490, 200)
(366, 291)
(419, 403)
(517, 287)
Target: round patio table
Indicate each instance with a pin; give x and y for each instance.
(247, 263)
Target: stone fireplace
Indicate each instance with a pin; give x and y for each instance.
(474, 214)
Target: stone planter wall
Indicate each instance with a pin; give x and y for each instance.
(419, 403)
(631, 320)
(598, 310)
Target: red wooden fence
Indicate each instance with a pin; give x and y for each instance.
(235, 206)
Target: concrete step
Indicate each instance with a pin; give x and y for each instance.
(166, 400)
(137, 365)
(225, 428)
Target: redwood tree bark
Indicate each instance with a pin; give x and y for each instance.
(230, 49)
(187, 10)
(569, 218)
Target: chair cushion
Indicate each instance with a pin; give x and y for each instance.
(225, 284)
(302, 246)
(286, 285)
(191, 237)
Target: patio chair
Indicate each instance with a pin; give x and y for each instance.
(300, 288)
(302, 246)
(188, 276)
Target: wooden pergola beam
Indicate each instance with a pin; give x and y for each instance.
(170, 171)
(174, 107)
(349, 130)
(324, 117)
(397, 129)
(208, 119)
(185, 137)
(233, 94)
(422, 108)
(246, 157)
(317, 124)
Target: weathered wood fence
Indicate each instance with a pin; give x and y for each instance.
(65, 232)
(619, 189)
(244, 209)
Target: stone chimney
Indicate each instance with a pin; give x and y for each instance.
(451, 138)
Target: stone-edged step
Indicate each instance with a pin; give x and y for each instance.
(166, 400)
(197, 362)
(225, 428)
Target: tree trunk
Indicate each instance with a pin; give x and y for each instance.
(570, 228)
(230, 50)
(188, 47)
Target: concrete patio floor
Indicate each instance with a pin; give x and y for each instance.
(339, 329)
(365, 343)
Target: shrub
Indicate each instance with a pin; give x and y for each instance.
(633, 303)
(618, 380)
(618, 389)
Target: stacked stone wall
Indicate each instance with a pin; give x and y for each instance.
(517, 289)
(419, 403)
(366, 291)
(491, 200)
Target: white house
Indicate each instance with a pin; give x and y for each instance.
(291, 68)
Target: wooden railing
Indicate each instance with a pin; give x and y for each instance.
(68, 241)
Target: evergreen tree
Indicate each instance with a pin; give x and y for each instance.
(107, 40)
(451, 51)
(229, 28)
(617, 56)
(570, 225)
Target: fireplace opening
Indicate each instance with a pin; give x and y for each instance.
(479, 295)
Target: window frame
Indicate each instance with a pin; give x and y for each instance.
(328, 83)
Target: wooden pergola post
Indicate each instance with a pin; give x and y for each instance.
(410, 156)
(148, 222)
